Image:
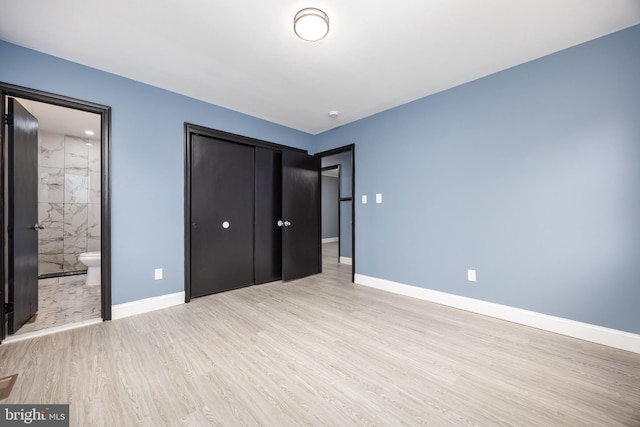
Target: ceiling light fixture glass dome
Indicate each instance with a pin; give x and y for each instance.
(311, 24)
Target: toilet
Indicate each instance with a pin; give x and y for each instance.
(92, 261)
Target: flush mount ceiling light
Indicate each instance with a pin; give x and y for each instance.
(311, 24)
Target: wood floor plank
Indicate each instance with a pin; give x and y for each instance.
(322, 351)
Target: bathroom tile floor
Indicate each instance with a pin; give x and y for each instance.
(62, 301)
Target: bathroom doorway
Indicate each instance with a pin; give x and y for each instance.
(72, 225)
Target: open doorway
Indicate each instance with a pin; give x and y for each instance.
(331, 204)
(67, 276)
(338, 217)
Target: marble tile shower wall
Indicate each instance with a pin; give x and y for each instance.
(68, 201)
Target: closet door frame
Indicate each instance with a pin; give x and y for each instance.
(189, 131)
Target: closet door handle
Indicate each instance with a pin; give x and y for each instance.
(37, 227)
(280, 223)
(287, 223)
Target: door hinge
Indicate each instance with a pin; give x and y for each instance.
(8, 308)
(7, 120)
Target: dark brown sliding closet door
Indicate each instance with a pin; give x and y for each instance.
(268, 193)
(222, 215)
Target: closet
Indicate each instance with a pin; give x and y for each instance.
(252, 212)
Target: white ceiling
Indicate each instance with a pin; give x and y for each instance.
(63, 121)
(243, 54)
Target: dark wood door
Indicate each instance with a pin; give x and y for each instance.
(222, 215)
(268, 235)
(301, 234)
(22, 216)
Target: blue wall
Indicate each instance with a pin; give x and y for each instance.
(346, 232)
(531, 176)
(147, 161)
(346, 174)
(330, 187)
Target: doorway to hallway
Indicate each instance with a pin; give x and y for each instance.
(338, 167)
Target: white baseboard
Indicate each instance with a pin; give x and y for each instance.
(585, 331)
(346, 260)
(331, 240)
(146, 305)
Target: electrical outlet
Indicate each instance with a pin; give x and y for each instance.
(471, 275)
(158, 273)
(364, 199)
(379, 198)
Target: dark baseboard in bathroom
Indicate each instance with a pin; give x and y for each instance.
(63, 274)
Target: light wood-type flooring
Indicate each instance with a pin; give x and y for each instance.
(323, 351)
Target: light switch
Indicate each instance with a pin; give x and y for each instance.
(364, 199)
(379, 198)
